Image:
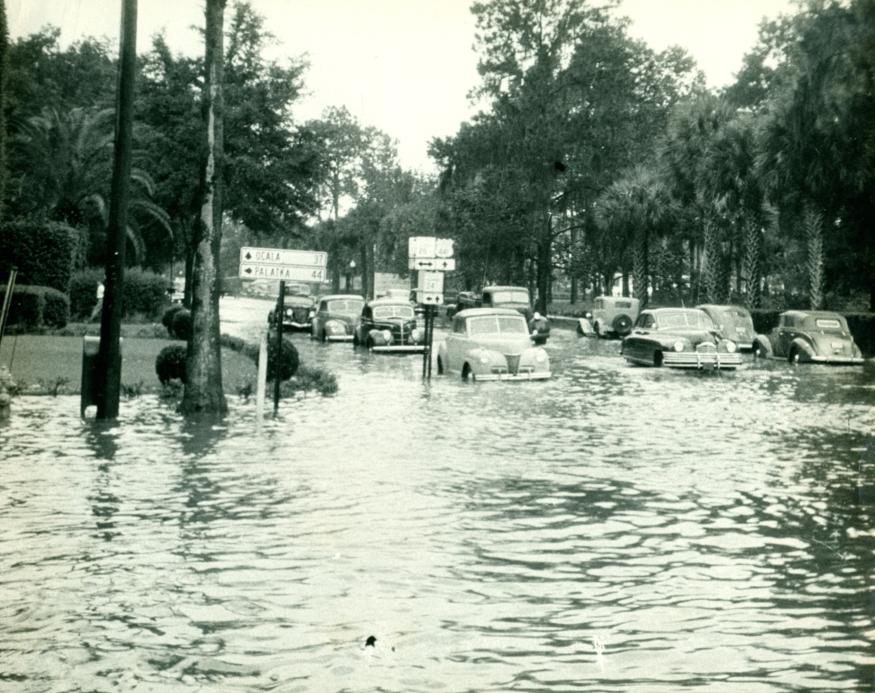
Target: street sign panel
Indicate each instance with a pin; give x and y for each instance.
(431, 288)
(443, 247)
(421, 246)
(440, 264)
(281, 263)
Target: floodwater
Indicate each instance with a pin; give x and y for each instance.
(613, 529)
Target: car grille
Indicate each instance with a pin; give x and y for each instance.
(513, 363)
(297, 314)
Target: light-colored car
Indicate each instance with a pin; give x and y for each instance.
(611, 316)
(816, 336)
(679, 338)
(492, 344)
(335, 317)
(732, 322)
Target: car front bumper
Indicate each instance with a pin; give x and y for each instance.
(292, 325)
(703, 360)
(528, 375)
(338, 337)
(399, 349)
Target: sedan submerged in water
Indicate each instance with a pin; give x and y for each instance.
(679, 338)
(388, 325)
(815, 336)
(492, 344)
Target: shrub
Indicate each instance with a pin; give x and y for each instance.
(37, 306)
(288, 362)
(169, 314)
(83, 292)
(310, 378)
(181, 324)
(42, 252)
(170, 364)
(145, 293)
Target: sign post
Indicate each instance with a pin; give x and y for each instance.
(431, 257)
(282, 264)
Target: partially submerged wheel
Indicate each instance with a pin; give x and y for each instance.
(657, 358)
(794, 355)
(466, 371)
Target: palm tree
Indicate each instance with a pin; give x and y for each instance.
(65, 164)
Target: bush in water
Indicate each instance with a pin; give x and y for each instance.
(181, 324)
(169, 314)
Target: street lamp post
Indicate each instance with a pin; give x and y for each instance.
(349, 275)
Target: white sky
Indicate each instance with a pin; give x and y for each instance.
(403, 66)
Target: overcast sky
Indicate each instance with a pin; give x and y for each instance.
(403, 66)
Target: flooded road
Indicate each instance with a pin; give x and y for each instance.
(612, 529)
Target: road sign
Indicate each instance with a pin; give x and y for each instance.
(439, 264)
(431, 288)
(443, 247)
(280, 263)
(421, 246)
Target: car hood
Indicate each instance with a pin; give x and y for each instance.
(393, 322)
(695, 337)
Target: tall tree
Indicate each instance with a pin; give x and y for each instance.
(4, 72)
(203, 389)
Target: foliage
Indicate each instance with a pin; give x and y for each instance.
(145, 293)
(83, 291)
(283, 362)
(310, 379)
(169, 315)
(42, 252)
(170, 364)
(181, 324)
(37, 306)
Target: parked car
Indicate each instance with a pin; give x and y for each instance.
(492, 344)
(298, 312)
(817, 336)
(335, 317)
(732, 322)
(611, 316)
(678, 338)
(389, 325)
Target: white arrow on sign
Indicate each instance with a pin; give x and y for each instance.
(291, 272)
(439, 264)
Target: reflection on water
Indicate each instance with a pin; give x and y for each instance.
(615, 528)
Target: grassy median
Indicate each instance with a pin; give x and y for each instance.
(52, 364)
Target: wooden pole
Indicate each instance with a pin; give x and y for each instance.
(108, 365)
(278, 316)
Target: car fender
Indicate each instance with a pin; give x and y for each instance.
(804, 348)
(762, 344)
(473, 359)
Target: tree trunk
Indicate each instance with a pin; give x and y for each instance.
(751, 264)
(640, 269)
(812, 223)
(203, 390)
(545, 249)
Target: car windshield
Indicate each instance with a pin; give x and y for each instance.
(497, 324)
(393, 311)
(348, 306)
(831, 324)
(510, 296)
(623, 304)
(673, 319)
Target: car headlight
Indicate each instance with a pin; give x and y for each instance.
(484, 356)
(730, 346)
(335, 327)
(415, 335)
(679, 345)
(311, 314)
(540, 356)
(387, 336)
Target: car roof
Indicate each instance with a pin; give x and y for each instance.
(616, 298)
(389, 301)
(475, 312)
(334, 296)
(504, 287)
(666, 309)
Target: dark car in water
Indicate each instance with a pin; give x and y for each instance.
(335, 317)
(298, 309)
(514, 297)
(732, 322)
(388, 325)
(812, 336)
(679, 338)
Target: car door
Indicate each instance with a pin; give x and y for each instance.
(634, 344)
(456, 348)
(785, 332)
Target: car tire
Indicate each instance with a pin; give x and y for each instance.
(622, 325)
(597, 328)
(440, 366)
(657, 358)
(322, 337)
(466, 371)
(355, 340)
(793, 356)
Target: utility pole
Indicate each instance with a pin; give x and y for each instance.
(108, 366)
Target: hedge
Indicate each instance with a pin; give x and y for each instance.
(37, 306)
(44, 253)
(144, 294)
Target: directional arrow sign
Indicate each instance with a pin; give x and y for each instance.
(439, 264)
(280, 263)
